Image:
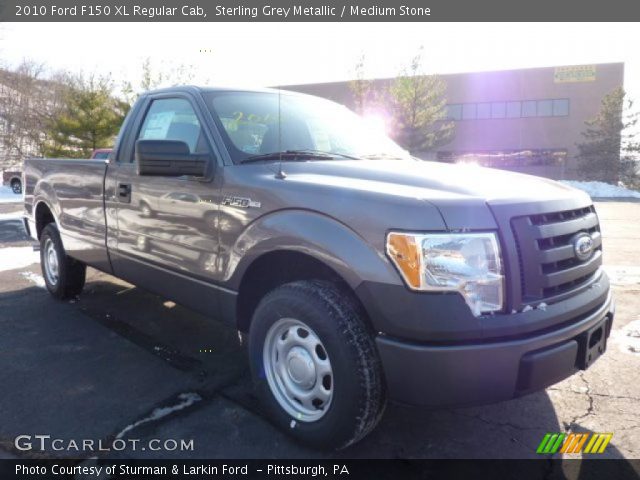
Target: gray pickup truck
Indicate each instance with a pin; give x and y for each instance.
(358, 273)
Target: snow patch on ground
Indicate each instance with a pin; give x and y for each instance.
(186, 400)
(17, 257)
(34, 278)
(602, 190)
(623, 275)
(11, 216)
(628, 337)
(7, 196)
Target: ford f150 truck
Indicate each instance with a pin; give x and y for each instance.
(357, 273)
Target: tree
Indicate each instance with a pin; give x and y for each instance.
(90, 118)
(361, 88)
(611, 149)
(28, 99)
(418, 103)
(152, 77)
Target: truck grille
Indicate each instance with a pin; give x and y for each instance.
(548, 263)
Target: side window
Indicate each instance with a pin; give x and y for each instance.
(173, 119)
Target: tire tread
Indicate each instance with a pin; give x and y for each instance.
(348, 316)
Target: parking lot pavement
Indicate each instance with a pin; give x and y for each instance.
(122, 363)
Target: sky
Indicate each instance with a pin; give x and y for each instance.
(271, 54)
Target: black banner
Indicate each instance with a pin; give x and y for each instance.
(316, 10)
(599, 469)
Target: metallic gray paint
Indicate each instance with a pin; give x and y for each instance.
(335, 211)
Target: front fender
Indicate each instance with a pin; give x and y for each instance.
(324, 238)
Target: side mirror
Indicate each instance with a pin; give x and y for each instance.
(169, 158)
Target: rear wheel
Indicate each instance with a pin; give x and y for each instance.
(63, 275)
(16, 186)
(315, 365)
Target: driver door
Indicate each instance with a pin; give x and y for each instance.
(167, 226)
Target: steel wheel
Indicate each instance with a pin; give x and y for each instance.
(51, 262)
(298, 370)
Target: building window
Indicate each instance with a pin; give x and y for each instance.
(545, 108)
(529, 108)
(498, 109)
(454, 112)
(469, 111)
(484, 110)
(513, 109)
(561, 107)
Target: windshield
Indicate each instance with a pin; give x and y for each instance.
(257, 123)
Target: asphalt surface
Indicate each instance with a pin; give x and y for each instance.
(121, 363)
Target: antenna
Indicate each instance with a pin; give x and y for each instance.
(280, 174)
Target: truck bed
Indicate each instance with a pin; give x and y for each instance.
(75, 190)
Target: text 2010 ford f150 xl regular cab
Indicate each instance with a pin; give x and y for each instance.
(358, 273)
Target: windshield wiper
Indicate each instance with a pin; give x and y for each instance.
(296, 155)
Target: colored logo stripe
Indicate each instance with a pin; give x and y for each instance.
(598, 442)
(573, 443)
(551, 442)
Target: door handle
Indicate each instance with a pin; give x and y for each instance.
(124, 192)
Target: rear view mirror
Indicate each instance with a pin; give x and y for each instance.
(169, 158)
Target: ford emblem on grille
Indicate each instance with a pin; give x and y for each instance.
(582, 246)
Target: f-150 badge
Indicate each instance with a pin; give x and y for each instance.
(240, 202)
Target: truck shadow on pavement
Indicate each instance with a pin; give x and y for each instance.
(11, 232)
(98, 367)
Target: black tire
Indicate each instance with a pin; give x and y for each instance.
(359, 395)
(70, 272)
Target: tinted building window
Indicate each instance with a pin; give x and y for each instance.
(498, 110)
(513, 109)
(484, 110)
(545, 108)
(469, 111)
(561, 107)
(529, 108)
(454, 112)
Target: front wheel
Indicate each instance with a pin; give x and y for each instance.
(63, 275)
(315, 365)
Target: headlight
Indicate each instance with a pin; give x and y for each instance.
(468, 263)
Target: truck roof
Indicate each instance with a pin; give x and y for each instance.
(207, 89)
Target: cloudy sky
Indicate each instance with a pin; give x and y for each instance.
(286, 53)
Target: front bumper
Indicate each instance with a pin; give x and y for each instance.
(467, 373)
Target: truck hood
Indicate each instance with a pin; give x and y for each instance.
(450, 188)
(440, 180)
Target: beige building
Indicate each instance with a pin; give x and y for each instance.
(524, 120)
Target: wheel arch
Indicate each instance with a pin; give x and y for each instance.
(293, 245)
(276, 268)
(43, 215)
